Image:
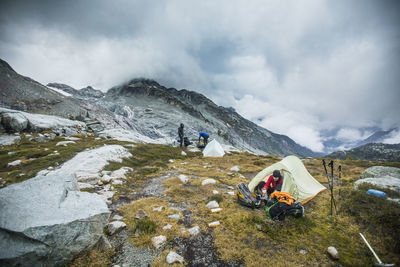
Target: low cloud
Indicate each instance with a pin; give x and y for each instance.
(295, 68)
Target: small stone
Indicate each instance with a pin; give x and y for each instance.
(100, 182)
(115, 226)
(333, 253)
(184, 179)
(106, 178)
(194, 230)
(158, 241)
(103, 244)
(173, 257)
(235, 169)
(141, 214)
(258, 226)
(183, 153)
(65, 143)
(171, 160)
(14, 163)
(303, 251)
(117, 217)
(50, 168)
(215, 192)
(167, 227)
(230, 187)
(183, 230)
(208, 181)
(11, 153)
(174, 216)
(159, 209)
(212, 205)
(231, 193)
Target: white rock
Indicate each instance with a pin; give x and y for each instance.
(212, 205)
(14, 163)
(159, 209)
(171, 160)
(194, 230)
(215, 192)
(55, 219)
(115, 226)
(173, 257)
(65, 143)
(167, 227)
(208, 181)
(333, 253)
(117, 217)
(174, 216)
(158, 241)
(231, 193)
(106, 178)
(183, 153)
(85, 186)
(117, 182)
(141, 214)
(235, 169)
(120, 173)
(184, 179)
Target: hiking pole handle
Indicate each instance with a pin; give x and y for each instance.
(370, 248)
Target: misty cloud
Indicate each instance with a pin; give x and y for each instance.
(295, 68)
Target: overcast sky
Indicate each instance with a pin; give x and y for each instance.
(300, 68)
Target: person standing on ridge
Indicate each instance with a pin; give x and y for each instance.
(180, 134)
(205, 137)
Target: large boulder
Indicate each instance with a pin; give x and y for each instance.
(383, 177)
(46, 221)
(381, 171)
(14, 122)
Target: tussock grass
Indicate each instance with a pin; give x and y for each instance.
(94, 258)
(156, 221)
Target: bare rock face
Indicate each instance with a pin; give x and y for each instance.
(46, 221)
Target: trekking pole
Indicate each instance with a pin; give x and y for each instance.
(340, 178)
(329, 183)
(380, 263)
(332, 196)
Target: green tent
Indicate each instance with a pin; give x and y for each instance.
(296, 179)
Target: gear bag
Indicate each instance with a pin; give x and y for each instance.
(282, 204)
(246, 198)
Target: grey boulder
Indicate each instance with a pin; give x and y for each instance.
(383, 177)
(46, 221)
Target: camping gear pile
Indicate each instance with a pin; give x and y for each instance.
(298, 188)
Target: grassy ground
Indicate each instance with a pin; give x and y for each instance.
(244, 233)
(247, 234)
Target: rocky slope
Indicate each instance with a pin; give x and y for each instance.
(144, 107)
(379, 152)
(157, 111)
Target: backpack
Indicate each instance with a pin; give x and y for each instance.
(246, 198)
(186, 141)
(282, 204)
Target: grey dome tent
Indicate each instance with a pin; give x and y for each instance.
(296, 179)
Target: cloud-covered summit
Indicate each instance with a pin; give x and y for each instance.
(296, 68)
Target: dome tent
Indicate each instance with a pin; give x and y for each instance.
(213, 149)
(296, 179)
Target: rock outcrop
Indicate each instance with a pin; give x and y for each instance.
(46, 221)
(17, 121)
(383, 177)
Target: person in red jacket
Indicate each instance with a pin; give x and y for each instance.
(273, 183)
